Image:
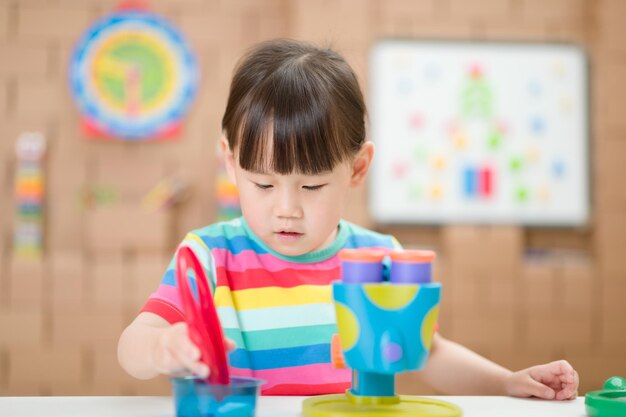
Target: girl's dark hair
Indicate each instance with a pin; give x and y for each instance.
(300, 103)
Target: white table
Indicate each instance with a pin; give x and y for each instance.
(268, 406)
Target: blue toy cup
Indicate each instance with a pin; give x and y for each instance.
(194, 397)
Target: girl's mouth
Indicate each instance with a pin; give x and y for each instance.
(289, 236)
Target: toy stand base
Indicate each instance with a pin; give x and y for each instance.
(348, 405)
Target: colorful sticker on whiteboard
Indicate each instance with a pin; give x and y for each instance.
(133, 77)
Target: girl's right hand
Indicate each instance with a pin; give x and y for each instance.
(175, 352)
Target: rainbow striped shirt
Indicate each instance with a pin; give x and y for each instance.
(278, 309)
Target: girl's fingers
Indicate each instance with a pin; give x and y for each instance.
(569, 389)
(559, 376)
(179, 354)
(537, 389)
(566, 394)
(564, 369)
(188, 355)
(553, 372)
(230, 344)
(183, 354)
(165, 363)
(574, 387)
(188, 348)
(191, 364)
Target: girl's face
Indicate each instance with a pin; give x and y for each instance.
(296, 214)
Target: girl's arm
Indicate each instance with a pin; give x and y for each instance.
(455, 370)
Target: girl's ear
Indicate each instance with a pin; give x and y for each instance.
(229, 159)
(361, 164)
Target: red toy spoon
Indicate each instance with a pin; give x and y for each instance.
(204, 325)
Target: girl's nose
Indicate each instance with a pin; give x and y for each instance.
(288, 205)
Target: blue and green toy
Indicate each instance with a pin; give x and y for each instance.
(384, 328)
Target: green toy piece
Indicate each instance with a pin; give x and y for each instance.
(609, 401)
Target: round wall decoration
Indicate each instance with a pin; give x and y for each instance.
(133, 76)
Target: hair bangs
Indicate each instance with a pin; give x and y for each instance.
(287, 131)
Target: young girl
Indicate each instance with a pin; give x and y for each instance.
(294, 140)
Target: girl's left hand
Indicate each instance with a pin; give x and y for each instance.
(551, 381)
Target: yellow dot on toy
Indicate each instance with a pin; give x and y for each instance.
(348, 326)
(428, 326)
(391, 297)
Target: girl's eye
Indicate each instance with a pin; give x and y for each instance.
(313, 187)
(263, 186)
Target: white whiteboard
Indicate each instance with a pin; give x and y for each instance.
(479, 132)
